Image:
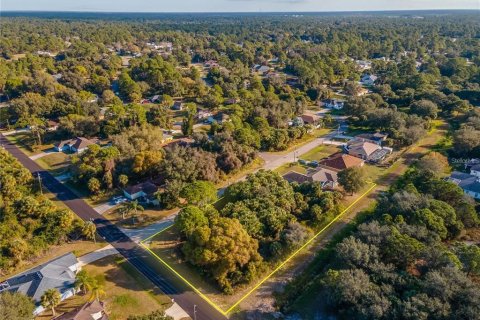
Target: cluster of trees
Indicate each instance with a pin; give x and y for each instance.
(29, 221)
(264, 219)
(404, 262)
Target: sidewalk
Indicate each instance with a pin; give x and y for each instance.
(96, 255)
(141, 234)
(176, 312)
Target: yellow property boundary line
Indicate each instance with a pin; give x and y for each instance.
(226, 312)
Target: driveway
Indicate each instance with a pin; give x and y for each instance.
(104, 207)
(42, 154)
(141, 259)
(96, 255)
(274, 160)
(140, 234)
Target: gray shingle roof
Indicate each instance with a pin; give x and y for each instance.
(52, 274)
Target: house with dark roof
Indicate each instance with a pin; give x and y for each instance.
(376, 137)
(78, 145)
(327, 177)
(470, 183)
(58, 273)
(178, 105)
(94, 310)
(369, 80)
(340, 161)
(332, 104)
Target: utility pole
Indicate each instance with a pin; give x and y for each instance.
(40, 182)
(194, 312)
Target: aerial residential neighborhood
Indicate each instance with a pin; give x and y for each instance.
(239, 160)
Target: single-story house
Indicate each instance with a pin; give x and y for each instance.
(293, 176)
(341, 161)
(376, 137)
(260, 70)
(94, 310)
(155, 98)
(364, 64)
(471, 163)
(178, 105)
(203, 114)
(211, 64)
(52, 125)
(78, 145)
(328, 178)
(470, 183)
(222, 117)
(361, 149)
(368, 80)
(333, 104)
(310, 118)
(141, 190)
(475, 170)
(58, 273)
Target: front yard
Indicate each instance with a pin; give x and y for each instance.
(127, 292)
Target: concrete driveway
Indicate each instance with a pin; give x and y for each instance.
(140, 234)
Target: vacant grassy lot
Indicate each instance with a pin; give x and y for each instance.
(144, 218)
(320, 152)
(127, 292)
(56, 162)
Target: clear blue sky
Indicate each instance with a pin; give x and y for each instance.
(233, 5)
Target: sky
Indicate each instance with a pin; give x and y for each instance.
(233, 5)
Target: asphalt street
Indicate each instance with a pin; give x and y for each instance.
(163, 278)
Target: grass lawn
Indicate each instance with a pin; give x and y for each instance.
(24, 141)
(320, 152)
(127, 292)
(287, 167)
(144, 218)
(57, 162)
(82, 192)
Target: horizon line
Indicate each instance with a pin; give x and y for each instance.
(240, 12)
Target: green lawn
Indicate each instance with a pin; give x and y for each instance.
(143, 219)
(291, 167)
(320, 152)
(57, 163)
(127, 292)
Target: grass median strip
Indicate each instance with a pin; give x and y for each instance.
(272, 273)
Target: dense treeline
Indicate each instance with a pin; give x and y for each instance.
(265, 219)
(425, 67)
(29, 222)
(404, 262)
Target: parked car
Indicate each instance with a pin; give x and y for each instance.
(304, 162)
(313, 163)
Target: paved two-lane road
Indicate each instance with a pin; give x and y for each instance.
(135, 254)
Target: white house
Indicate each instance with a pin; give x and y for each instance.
(58, 273)
(142, 190)
(78, 145)
(333, 104)
(368, 80)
